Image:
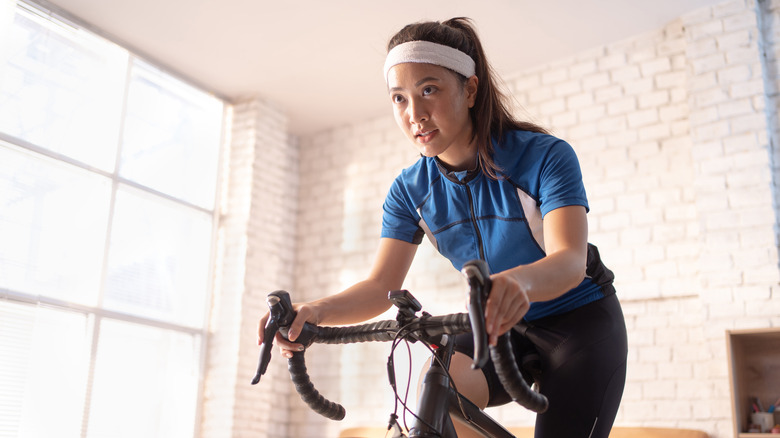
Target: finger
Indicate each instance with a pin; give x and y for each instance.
(288, 349)
(506, 320)
(521, 306)
(297, 325)
(304, 314)
(516, 309)
(493, 308)
(285, 344)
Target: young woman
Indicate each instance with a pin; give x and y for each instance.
(491, 187)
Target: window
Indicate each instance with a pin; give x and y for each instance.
(108, 182)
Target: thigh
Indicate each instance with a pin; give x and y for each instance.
(583, 356)
(496, 395)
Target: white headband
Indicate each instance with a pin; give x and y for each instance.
(427, 52)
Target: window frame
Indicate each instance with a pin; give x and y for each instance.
(96, 314)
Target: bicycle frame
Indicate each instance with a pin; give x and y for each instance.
(433, 416)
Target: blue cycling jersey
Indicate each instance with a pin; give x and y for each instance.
(467, 215)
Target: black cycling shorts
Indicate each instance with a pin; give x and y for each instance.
(579, 362)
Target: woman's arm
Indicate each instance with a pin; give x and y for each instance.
(368, 298)
(359, 302)
(562, 269)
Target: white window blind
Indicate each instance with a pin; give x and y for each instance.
(108, 182)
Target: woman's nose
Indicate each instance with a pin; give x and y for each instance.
(417, 111)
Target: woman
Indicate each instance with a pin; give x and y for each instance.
(491, 187)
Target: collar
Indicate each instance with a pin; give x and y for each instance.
(458, 177)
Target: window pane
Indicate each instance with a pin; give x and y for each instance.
(62, 89)
(43, 371)
(53, 226)
(171, 137)
(158, 265)
(145, 382)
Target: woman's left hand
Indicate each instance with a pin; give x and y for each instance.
(506, 306)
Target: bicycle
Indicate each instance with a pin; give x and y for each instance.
(438, 397)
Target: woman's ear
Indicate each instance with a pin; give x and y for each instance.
(471, 90)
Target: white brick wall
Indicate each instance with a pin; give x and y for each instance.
(673, 131)
(259, 213)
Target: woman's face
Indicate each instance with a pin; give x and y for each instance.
(431, 106)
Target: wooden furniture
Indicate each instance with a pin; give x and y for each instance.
(528, 432)
(754, 371)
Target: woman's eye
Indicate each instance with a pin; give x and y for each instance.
(397, 98)
(428, 90)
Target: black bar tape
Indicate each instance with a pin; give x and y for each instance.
(380, 331)
(510, 376)
(308, 393)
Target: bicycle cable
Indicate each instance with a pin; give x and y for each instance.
(400, 336)
(393, 384)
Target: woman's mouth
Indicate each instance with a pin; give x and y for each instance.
(425, 136)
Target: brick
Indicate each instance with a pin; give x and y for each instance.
(710, 97)
(638, 87)
(611, 61)
(596, 80)
(626, 73)
(710, 131)
(592, 113)
(567, 88)
(741, 143)
(735, 108)
(554, 76)
(744, 55)
(705, 29)
(668, 113)
(702, 82)
(735, 74)
(656, 66)
(621, 106)
(707, 64)
(653, 99)
(612, 124)
(553, 106)
(642, 118)
(701, 48)
(654, 132)
(564, 119)
(582, 131)
(525, 82)
(672, 79)
(583, 68)
(579, 101)
(537, 95)
(729, 8)
(747, 123)
(672, 47)
(739, 38)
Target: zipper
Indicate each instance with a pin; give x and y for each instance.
(474, 221)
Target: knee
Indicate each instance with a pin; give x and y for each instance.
(471, 383)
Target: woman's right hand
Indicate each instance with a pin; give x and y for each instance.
(304, 313)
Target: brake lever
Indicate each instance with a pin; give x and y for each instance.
(281, 316)
(478, 277)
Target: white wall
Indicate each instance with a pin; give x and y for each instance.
(673, 131)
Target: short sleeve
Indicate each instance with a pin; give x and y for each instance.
(399, 219)
(560, 179)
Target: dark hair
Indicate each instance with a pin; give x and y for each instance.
(491, 103)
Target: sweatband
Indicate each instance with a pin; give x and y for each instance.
(426, 52)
